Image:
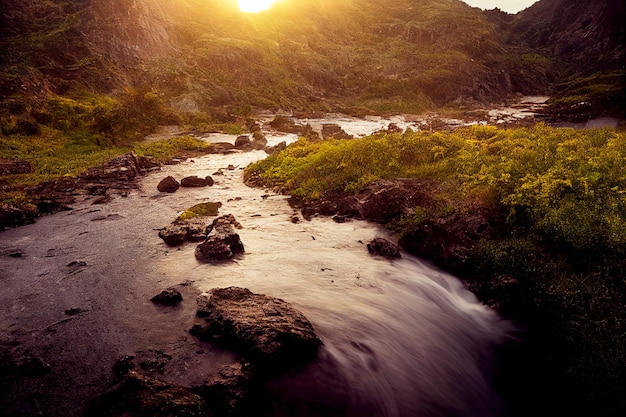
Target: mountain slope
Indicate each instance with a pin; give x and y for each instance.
(396, 55)
(589, 35)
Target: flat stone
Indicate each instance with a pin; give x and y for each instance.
(268, 331)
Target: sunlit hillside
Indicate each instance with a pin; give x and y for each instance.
(377, 55)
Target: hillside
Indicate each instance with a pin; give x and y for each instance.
(587, 39)
(401, 55)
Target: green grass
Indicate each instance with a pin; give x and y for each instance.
(562, 196)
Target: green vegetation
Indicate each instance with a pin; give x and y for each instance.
(200, 210)
(561, 195)
(601, 94)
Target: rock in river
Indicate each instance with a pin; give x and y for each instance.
(169, 296)
(383, 247)
(194, 181)
(192, 230)
(222, 241)
(267, 331)
(168, 185)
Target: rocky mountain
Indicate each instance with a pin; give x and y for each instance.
(402, 55)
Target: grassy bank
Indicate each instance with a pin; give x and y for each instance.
(60, 136)
(559, 197)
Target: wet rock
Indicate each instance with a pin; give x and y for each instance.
(97, 189)
(74, 311)
(140, 396)
(331, 130)
(259, 142)
(223, 147)
(243, 142)
(13, 215)
(383, 247)
(382, 201)
(448, 240)
(222, 242)
(169, 296)
(168, 185)
(285, 124)
(279, 147)
(268, 331)
(193, 230)
(230, 391)
(193, 181)
(338, 218)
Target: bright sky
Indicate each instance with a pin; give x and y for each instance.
(511, 6)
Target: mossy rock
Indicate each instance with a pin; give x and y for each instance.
(200, 210)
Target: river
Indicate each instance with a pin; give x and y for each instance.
(401, 338)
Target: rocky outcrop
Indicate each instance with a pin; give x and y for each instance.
(384, 247)
(222, 241)
(267, 331)
(331, 130)
(118, 175)
(168, 185)
(448, 239)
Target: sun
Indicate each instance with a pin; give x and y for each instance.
(255, 6)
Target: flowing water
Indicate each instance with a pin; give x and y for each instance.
(401, 338)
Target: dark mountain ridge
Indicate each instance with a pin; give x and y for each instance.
(589, 35)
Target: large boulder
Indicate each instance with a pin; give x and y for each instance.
(193, 230)
(168, 185)
(267, 331)
(222, 241)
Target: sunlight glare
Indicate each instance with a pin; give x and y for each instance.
(254, 6)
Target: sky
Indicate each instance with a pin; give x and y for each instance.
(510, 6)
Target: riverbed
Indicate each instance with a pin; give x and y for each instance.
(400, 337)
